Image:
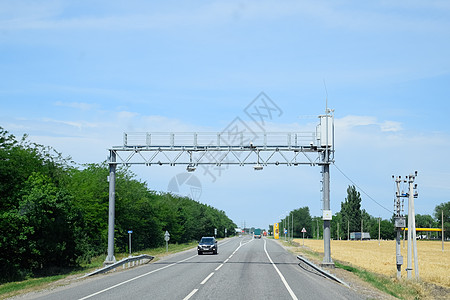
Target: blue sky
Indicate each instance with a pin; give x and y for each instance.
(76, 75)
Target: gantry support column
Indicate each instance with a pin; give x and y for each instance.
(112, 203)
(326, 208)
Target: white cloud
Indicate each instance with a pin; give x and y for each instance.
(391, 126)
(78, 124)
(349, 122)
(126, 115)
(77, 105)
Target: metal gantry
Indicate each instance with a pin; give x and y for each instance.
(241, 148)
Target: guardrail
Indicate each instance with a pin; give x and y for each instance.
(140, 259)
(323, 272)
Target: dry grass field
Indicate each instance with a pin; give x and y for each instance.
(433, 263)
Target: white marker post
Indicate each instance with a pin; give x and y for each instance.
(167, 238)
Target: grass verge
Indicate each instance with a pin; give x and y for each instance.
(395, 288)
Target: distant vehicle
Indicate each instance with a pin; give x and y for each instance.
(357, 236)
(257, 233)
(207, 244)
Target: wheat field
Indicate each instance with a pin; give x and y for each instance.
(433, 262)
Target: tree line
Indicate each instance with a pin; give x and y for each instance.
(54, 213)
(352, 217)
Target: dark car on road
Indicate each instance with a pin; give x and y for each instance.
(207, 244)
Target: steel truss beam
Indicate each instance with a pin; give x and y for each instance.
(195, 149)
(216, 156)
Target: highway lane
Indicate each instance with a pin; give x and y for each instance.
(243, 269)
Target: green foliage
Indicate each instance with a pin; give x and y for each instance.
(54, 216)
(445, 208)
(351, 209)
(49, 223)
(398, 289)
(352, 217)
(301, 218)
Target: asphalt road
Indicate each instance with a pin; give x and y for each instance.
(243, 269)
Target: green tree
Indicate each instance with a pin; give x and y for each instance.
(338, 223)
(53, 214)
(386, 227)
(425, 221)
(302, 219)
(445, 208)
(351, 209)
(50, 220)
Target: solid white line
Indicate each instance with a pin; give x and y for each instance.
(134, 278)
(281, 275)
(218, 267)
(190, 294)
(206, 279)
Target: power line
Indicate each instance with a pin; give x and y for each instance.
(361, 189)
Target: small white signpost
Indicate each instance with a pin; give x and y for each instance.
(303, 233)
(129, 239)
(167, 238)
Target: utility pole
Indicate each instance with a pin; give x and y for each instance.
(361, 229)
(292, 225)
(379, 231)
(442, 232)
(399, 220)
(412, 226)
(288, 229)
(337, 238)
(412, 239)
(318, 232)
(348, 230)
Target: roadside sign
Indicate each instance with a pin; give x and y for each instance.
(276, 231)
(303, 234)
(129, 240)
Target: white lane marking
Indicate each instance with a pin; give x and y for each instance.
(134, 278)
(190, 294)
(212, 273)
(206, 279)
(281, 275)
